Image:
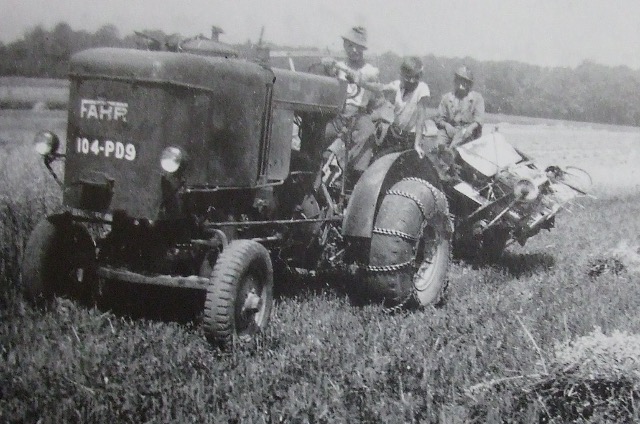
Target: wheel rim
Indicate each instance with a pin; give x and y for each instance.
(250, 306)
(426, 251)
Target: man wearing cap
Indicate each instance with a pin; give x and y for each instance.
(461, 112)
(355, 117)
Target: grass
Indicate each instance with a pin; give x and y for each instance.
(495, 352)
(27, 193)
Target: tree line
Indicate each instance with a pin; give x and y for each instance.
(589, 92)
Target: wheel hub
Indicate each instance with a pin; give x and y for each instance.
(252, 304)
(424, 253)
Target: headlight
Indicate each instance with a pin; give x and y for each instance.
(46, 143)
(171, 160)
(526, 190)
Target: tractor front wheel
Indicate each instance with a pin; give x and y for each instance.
(239, 294)
(59, 260)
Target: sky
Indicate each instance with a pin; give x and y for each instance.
(541, 32)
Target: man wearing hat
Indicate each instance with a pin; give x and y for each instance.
(461, 112)
(355, 118)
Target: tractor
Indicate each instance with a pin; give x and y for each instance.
(207, 172)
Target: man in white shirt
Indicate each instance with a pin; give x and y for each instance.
(410, 100)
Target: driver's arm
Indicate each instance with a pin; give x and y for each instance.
(330, 66)
(367, 78)
(375, 86)
(478, 110)
(442, 118)
(421, 118)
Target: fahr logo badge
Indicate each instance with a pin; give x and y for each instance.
(103, 110)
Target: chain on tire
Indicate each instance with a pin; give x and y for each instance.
(397, 236)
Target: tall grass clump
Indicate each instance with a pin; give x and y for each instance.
(592, 378)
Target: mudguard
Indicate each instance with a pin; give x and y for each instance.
(380, 176)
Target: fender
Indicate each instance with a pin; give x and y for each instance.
(380, 176)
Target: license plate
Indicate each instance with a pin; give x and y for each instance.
(106, 148)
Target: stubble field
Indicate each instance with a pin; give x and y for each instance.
(531, 338)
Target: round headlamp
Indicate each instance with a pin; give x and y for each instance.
(46, 143)
(171, 159)
(526, 190)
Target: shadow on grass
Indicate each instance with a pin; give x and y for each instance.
(515, 264)
(519, 264)
(289, 285)
(165, 304)
(184, 306)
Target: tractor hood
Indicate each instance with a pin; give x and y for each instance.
(306, 92)
(166, 67)
(230, 120)
(127, 106)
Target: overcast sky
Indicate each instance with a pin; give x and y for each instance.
(542, 32)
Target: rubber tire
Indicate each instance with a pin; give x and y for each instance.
(51, 255)
(401, 213)
(239, 261)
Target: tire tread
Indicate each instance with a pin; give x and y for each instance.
(232, 263)
(404, 208)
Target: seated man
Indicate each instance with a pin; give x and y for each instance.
(461, 112)
(354, 126)
(410, 100)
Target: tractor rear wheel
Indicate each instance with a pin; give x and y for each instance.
(59, 260)
(410, 246)
(239, 294)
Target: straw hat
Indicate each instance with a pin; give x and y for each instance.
(357, 35)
